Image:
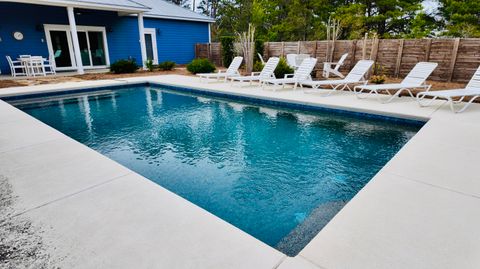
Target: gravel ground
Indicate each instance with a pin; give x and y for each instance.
(21, 244)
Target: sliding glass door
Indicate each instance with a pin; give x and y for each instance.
(60, 43)
(84, 50)
(92, 42)
(92, 48)
(97, 49)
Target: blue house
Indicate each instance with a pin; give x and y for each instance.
(90, 34)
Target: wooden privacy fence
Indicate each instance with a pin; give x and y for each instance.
(457, 58)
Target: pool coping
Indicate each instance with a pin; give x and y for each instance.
(244, 97)
(323, 250)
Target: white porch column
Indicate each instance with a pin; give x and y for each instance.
(210, 33)
(143, 48)
(76, 45)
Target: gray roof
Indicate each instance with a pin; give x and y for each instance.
(118, 3)
(151, 8)
(167, 10)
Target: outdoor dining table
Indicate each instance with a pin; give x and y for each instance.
(32, 64)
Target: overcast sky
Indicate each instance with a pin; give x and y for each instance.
(430, 5)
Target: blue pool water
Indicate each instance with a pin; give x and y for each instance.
(278, 174)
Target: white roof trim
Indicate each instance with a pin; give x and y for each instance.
(86, 5)
(177, 18)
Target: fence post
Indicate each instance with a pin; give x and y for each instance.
(298, 47)
(353, 51)
(333, 50)
(327, 51)
(364, 49)
(315, 49)
(267, 54)
(283, 49)
(209, 51)
(427, 50)
(454, 59)
(399, 57)
(374, 51)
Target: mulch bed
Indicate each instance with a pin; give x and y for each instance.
(91, 76)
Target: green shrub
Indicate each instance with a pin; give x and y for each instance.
(258, 66)
(378, 69)
(283, 68)
(201, 66)
(228, 50)
(123, 66)
(166, 66)
(149, 65)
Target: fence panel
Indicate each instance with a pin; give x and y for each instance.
(457, 58)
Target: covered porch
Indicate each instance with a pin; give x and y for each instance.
(78, 36)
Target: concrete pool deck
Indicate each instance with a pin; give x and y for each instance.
(422, 210)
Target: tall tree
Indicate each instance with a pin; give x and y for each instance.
(182, 3)
(388, 18)
(208, 8)
(293, 20)
(423, 25)
(462, 17)
(302, 20)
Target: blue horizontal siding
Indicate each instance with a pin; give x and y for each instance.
(122, 33)
(175, 39)
(25, 18)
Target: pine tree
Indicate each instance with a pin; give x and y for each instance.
(294, 20)
(182, 3)
(388, 18)
(462, 17)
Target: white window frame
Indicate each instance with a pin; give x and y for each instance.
(80, 28)
(153, 32)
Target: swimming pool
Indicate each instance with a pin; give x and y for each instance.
(276, 173)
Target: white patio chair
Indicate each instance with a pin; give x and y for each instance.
(36, 66)
(261, 58)
(300, 57)
(355, 76)
(334, 68)
(415, 79)
(266, 73)
(301, 75)
(472, 90)
(232, 71)
(292, 60)
(16, 65)
(49, 65)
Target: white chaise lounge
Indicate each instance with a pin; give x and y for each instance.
(334, 68)
(472, 90)
(266, 73)
(415, 79)
(232, 71)
(301, 75)
(355, 76)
